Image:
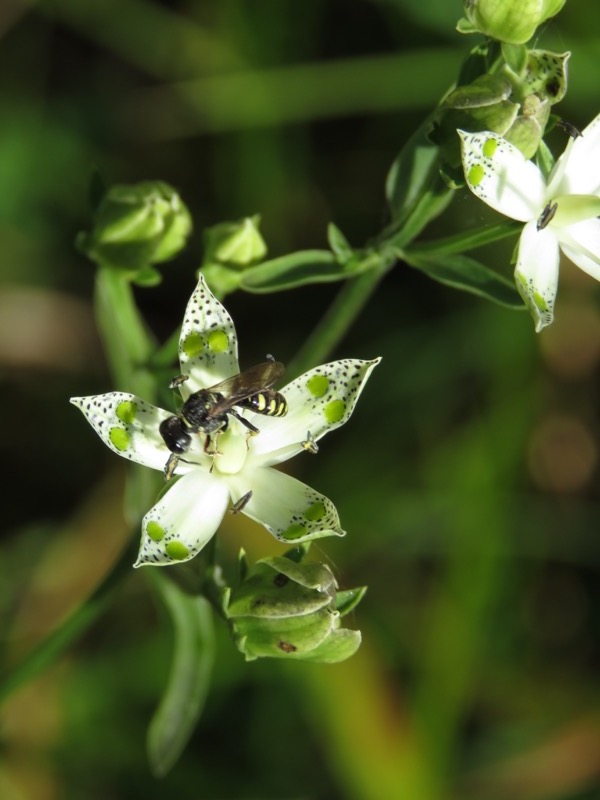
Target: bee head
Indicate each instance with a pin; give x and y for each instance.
(175, 436)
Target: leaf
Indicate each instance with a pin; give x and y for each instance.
(463, 272)
(295, 269)
(414, 189)
(338, 243)
(189, 678)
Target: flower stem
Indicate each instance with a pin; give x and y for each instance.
(332, 328)
(129, 345)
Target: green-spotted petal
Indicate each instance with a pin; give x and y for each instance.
(536, 273)
(183, 520)
(290, 510)
(208, 343)
(500, 175)
(318, 402)
(581, 243)
(577, 171)
(128, 425)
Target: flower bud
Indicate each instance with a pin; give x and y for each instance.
(236, 244)
(136, 226)
(285, 609)
(513, 21)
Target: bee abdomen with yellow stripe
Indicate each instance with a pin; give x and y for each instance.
(267, 402)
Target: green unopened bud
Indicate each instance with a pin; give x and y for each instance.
(285, 609)
(236, 244)
(513, 21)
(136, 226)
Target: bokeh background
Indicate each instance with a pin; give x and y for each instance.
(467, 479)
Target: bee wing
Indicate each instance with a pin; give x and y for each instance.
(245, 384)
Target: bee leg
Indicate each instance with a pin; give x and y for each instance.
(178, 381)
(252, 428)
(170, 466)
(241, 503)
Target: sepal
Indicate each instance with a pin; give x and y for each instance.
(289, 609)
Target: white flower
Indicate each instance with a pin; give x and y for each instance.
(189, 513)
(561, 212)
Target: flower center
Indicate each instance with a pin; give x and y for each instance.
(232, 450)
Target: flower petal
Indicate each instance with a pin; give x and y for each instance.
(577, 171)
(208, 343)
(290, 510)
(500, 175)
(183, 520)
(318, 401)
(128, 425)
(581, 243)
(536, 273)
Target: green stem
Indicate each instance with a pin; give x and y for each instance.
(469, 240)
(50, 649)
(348, 304)
(127, 341)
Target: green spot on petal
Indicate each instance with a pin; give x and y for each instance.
(193, 344)
(489, 147)
(476, 175)
(177, 550)
(119, 438)
(334, 411)
(295, 531)
(155, 531)
(540, 302)
(218, 341)
(314, 512)
(318, 385)
(126, 411)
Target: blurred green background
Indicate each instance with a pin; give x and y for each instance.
(467, 478)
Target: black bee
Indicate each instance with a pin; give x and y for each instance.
(206, 411)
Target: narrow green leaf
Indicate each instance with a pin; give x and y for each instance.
(189, 678)
(463, 272)
(466, 240)
(414, 189)
(338, 242)
(295, 269)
